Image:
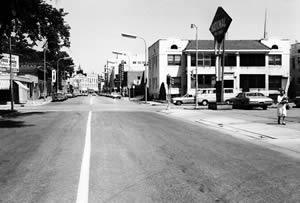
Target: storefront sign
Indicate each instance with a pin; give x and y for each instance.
(5, 65)
(220, 24)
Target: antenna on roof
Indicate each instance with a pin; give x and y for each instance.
(265, 26)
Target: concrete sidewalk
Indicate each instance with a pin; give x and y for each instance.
(249, 126)
(29, 103)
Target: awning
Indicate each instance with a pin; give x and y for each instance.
(4, 84)
(21, 85)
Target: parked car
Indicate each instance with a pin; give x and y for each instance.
(205, 96)
(250, 99)
(94, 94)
(297, 101)
(208, 95)
(69, 95)
(115, 95)
(186, 99)
(59, 97)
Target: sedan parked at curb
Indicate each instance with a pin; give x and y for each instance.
(250, 99)
(59, 97)
(186, 99)
(115, 95)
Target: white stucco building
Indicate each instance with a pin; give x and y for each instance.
(165, 57)
(250, 65)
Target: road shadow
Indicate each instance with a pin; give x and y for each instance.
(13, 124)
(14, 114)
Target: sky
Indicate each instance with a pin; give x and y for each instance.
(96, 25)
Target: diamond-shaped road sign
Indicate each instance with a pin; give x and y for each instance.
(220, 24)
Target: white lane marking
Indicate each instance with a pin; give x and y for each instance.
(83, 185)
(91, 101)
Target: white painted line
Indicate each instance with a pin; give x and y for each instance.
(83, 185)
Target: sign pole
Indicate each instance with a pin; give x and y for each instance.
(11, 76)
(218, 28)
(223, 64)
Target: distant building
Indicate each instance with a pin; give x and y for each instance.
(92, 82)
(84, 83)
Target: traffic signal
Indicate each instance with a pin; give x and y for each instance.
(171, 81)
(168, 80)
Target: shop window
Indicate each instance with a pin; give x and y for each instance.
(252, 60)
(274, 59)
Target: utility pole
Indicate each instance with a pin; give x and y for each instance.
(11, 76)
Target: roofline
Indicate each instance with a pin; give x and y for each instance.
(229, 50)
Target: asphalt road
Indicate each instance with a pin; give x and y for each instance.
(107, 150)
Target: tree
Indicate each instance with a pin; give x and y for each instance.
(162, 92)
(33, 21)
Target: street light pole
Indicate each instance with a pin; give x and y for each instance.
(11, 76)
(57, 81)
(196, 86)
(45, 49)
(146, 71)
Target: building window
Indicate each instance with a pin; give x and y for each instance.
(133, 62)
(174, 59)
(204, 81)
(174, 46)
(274, 59)
(252, 60)
(203, 59)
(252, 81)
(228, 83)
(274, 82)
(177, 82)
(298, 81)
(230, 60)
(298, 60)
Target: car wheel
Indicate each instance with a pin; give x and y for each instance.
(178, 103)
(204, 102)
(265, 107)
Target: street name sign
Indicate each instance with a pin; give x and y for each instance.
(220, 24)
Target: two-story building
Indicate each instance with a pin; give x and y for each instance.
(250, 65)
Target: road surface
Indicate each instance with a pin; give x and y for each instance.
(96, 149)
